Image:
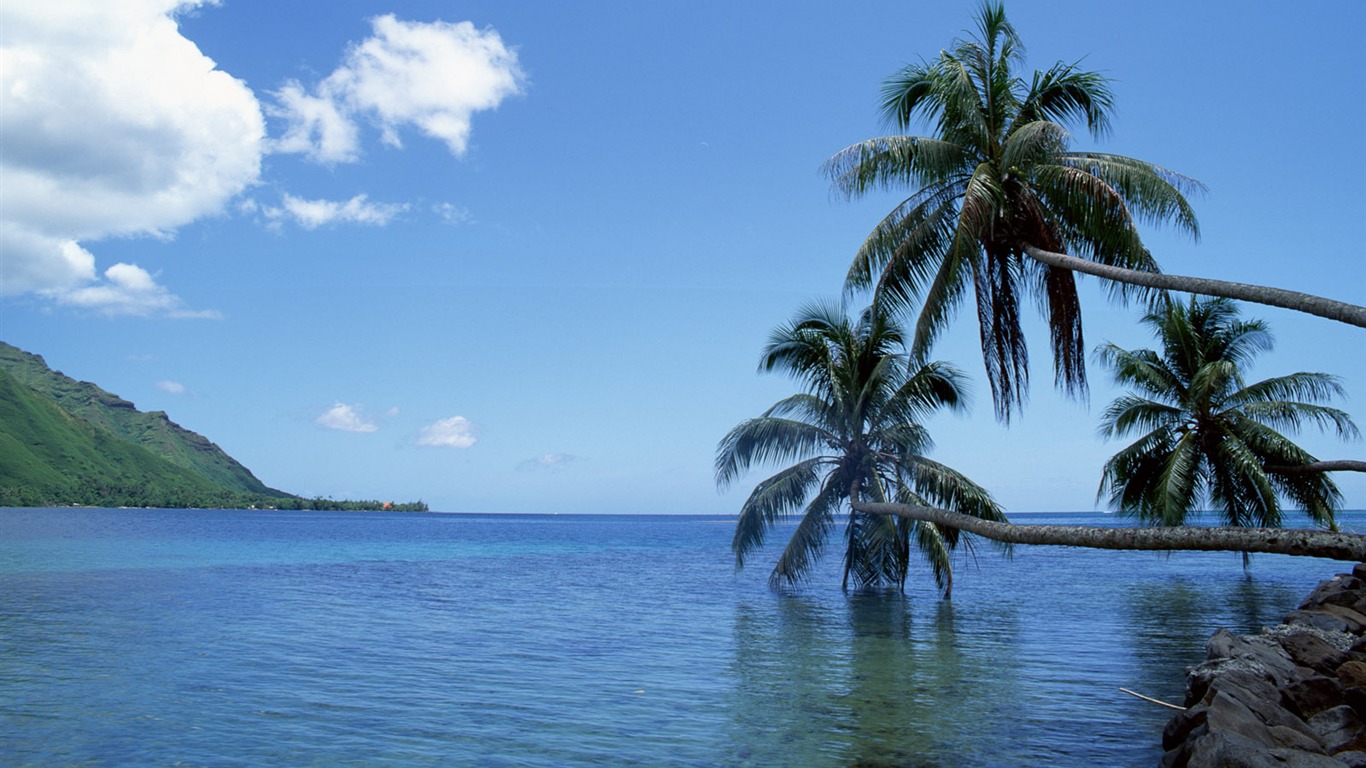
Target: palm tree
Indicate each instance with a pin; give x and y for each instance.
(1000, 201)
(997, 176)
(1206, 436)
(855, 434)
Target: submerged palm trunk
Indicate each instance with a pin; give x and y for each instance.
(1258, 294)
(1334, 545)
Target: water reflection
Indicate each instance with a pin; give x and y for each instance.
(1169, 622)
(867, 681)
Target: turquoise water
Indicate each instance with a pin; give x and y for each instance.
(238, 638)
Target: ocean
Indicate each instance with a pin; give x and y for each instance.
(135, 637)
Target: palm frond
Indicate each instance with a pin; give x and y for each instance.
(1130, 413)
(808, 538)
(772, 501)
(766, 440)
(1064, 92)
(890, 162)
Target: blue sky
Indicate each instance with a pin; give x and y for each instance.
(522, 257)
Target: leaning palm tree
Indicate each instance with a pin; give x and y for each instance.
(1002, 208)
(855, 434)
(997, 176)
(1206, 437)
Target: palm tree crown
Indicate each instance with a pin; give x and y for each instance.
(998, 177)
(854, 433)
(1205, 434)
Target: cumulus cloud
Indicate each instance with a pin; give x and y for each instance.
(311, 214)
(455, 432)
(114, 124)
(128, 289)
(171, 387)
(548, 461)
(429, 76)
(346, 418)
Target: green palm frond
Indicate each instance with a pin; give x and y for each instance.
(808, 539)
(772, 501)
(1214, 439)
(856, 425)
(1033, 144)
(1152, 194)
(1131, 413)
(766, 440)
(891, 162)
(1144, 370)
(995, 176)
(1067, 94)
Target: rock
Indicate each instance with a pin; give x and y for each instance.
(1340, 729)
(1351, 759)
(1356, 622)
(1319, 619)
(1228, 750)
(1313, 695)
(1179, 728)
(1290, 738)
(1293, 696)
(1352, 675)
(1308, 649)
(1262, 655)
(1342, 589)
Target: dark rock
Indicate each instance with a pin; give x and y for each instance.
(1342, 590)
(1262, 700)
(1339, 728)
(1260, 655)
(1311, 696)
(1352, 675)
(1318, 619)
(1179, 728)
(1229, 750)
(1310, 650)
(1355, 621)
(1229, 715)
(1293, 696)
(1290, 738)
(1352, 759)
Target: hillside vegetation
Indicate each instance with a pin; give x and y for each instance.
(68, 442)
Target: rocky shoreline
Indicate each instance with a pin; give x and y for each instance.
(1293, 696)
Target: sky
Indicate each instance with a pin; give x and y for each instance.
(523, 257)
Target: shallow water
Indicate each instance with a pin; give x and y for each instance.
(150, 637)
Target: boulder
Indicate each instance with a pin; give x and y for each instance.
(1309, 649)
(1293, 696)
(1311, 696)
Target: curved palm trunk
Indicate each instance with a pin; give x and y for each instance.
(1333, 465)
(1258, 294)
(1334, 545)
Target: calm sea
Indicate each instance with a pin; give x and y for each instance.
(236, 638)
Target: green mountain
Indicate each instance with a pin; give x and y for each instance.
(153, 431)
(49, 456)
(65, 442)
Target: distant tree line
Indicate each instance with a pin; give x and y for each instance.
(92, 493)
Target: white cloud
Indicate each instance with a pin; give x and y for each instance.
(171, 387)
(453, 214)
(548, 461)
(129, 290)
(430, 76)
(346, 418)
(114, 124)
(455, 432)
(311, 214)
